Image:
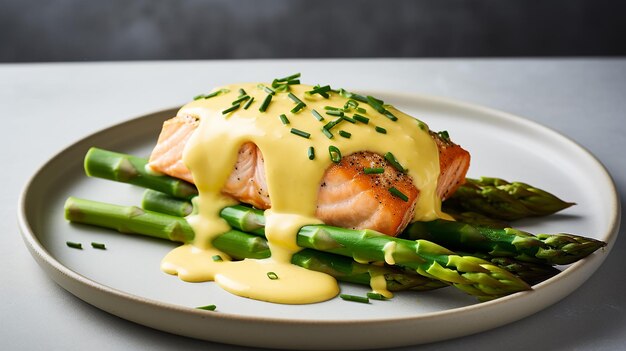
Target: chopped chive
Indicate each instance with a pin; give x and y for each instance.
(198, 97)
(293, 82)
(320, 90)
(338, 113)
(230, 109)
(298, 107)
(349, 119)
(335, 154)
(98, 246)
(331, 124)
(361, 110)
(217, 258)
(390, 115)
(284, 119)
(288, 78)
(295, 98)
(216, 93)
(281, 88)
(397, 193)
(331, 108)
(376, 104)
(241, 99)
(375, 296)
(300, 133)
(422, 125)
(311, 153)
(345, 134)
(242, 92)
(327, 132)
(207, 307)
(373, 170)
(394, 162)
(351, 104)
(272, 275)
(74, 245)
(354, 298)
(245, 107)
(360, 118)
(266, 103)
(317, 115)
(269, 90)
(444, 135)
(381, 130)
(349, 95)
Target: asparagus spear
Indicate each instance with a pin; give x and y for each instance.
(531, 273)
(499, 199)
(472, 275)
(550, 249)
(134, 170)
(237, 244)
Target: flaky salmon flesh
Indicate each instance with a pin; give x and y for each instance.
(347, 197)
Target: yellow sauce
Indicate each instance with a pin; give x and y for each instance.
(293, 181)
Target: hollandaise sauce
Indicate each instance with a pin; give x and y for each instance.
(300, 131)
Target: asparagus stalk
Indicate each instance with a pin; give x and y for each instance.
(499, 199)
(134, 170)
(253, 221)
(550, 249)
(475, 276)
(237, 244)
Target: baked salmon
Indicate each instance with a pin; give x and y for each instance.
(347, 197)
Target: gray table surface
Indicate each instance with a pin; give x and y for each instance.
(48, 106)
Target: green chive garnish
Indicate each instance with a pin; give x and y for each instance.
(338, 113)
(213, 94)
(288, 78)
(381, 130)
(397, 193)
(390, 115)
(327, 132)
(74, 245)
(349, 95)
(241, 99)
(98, 246)
(354, 298)
(230, 109)
(331, 124)
(266, 103)
(300, 133)
(361, 119)
(295, 98)
(298, 107)
(444, 135)
(361, 110)
(198, 97)
(272, 275)
(269, 90)
(317, 115)
(349, 119)
(351, 104)
(335, 154)
(375, 296)
(207, 307)
(373, 170)
(217, 258)
(331, 108)
(323, 91)
(284, 119)
(242, 92)
(245, 107)
(376, 104)
(394, 162)
(311, 153)
(345, 134)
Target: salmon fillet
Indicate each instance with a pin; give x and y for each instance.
(347, 197)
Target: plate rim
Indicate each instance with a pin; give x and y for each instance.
(60, 272)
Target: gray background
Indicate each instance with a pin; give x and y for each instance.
(78, 30)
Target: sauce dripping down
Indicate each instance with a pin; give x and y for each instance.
(293, 181)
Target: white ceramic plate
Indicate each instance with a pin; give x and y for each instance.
(126, 280)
